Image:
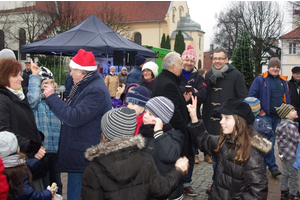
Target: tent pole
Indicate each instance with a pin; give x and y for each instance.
(60, 69)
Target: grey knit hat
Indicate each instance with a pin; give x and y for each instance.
(7, 53)
(161, 107)
(8, 144)
(118, 123)
(284, 110)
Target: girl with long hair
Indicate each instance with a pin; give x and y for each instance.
(240, 170)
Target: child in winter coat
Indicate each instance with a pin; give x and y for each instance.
(17, 170)
(262, 127)
(287, 140)
(118, 169)
(117, 101)
(240, 171)
(163, 142)
(3, 182)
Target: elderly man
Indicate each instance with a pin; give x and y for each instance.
(294, 85)
(167, 84)
(81, 115)
(190, 76)
(271, 89)
(223, 81)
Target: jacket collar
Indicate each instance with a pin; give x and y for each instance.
(113, 146)
(171, 75)
(265, 75)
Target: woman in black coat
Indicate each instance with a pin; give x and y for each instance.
(240, 171)
(17, 116)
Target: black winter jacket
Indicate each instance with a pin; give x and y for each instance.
(17, 117)
(295, 97)
(233, 181)
(165, 147)
(167, 84)
(232, 84)
(119, 170)
(196, 81)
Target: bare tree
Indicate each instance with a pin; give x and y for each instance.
(262, 19)
(114, 18)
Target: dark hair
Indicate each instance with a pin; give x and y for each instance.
(8, 67)
(152, 75)
(241, 137)
(15, 178)
(201, 71)
(221, 51)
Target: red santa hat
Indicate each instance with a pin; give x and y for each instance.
(189, 53)
(84, 60)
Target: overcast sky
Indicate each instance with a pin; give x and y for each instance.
(203, 12)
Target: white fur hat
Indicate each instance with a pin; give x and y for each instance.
(152, 66)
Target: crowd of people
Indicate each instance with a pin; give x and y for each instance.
(137, 135)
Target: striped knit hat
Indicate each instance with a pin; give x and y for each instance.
(161, 107)
(284, 110)
(118, 123)
(254, 104)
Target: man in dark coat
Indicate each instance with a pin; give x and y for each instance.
(190, 76)
(294, 85)
(167, 84)
(135, 75)
(223, 81)
(81, 116)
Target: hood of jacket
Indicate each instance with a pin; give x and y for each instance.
(260, 143)
(120, 160)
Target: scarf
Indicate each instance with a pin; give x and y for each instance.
(148, 132)
(75, 87)
(13, 161)
(218, 73)
(186, 74)
(19, 93)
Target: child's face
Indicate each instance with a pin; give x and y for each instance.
(47, 82)
(227, 123)
(138, 109)
(148, 118)
(292, 115)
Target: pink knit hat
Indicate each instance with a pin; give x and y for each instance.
(84, 60)
(189, 53)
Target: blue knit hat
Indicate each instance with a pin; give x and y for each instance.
(161, 107)
(139, 60)
(254, 103)
(138, 95)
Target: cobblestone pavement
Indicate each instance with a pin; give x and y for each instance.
(202, 179)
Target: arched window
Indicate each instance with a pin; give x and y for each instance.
(138, 38)
(1, 39)
(22, 40)
(181, 10)
(173, 14)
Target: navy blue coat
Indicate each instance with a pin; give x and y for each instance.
(81, 122)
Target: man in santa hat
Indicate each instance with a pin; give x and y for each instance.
(81, 116)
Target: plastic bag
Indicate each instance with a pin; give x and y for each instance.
(56, 196)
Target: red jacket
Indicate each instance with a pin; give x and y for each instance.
(3, 182)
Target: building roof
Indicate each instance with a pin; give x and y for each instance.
(294, 34)
(134, 11)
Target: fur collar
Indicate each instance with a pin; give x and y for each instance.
(262, 144)
(113, 146)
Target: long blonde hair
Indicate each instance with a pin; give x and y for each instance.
(241, 137)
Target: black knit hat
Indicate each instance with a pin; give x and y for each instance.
(118, 123)
(296, 69)
(233, 106)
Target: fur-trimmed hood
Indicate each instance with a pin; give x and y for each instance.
(120, 160)
(262, 144)
(113, 146)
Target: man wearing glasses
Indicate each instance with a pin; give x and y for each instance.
(223, 81)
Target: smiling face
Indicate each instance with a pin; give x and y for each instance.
(47, 82)
(188, 64)
(296, 76)
(15, 82)
(227, 123)
(147, 74)
(148, 118)
(112, 70)
(219, 60)
(274, 70)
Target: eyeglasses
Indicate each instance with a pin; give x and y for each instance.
(216, 59)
